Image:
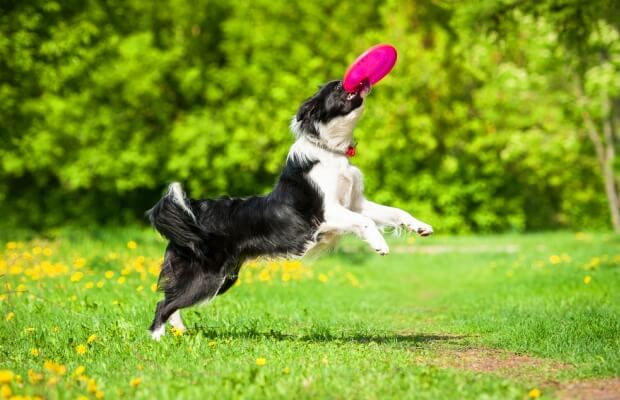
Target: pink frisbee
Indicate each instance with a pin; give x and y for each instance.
(370, 67)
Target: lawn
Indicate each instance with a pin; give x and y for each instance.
(469, 317)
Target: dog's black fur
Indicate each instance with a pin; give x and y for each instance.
(210, 239)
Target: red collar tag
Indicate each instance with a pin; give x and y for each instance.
(350, 151)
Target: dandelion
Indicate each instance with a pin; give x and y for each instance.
(34, 377)
(154, 287)
(264, 276)
(79, 371)
(109, 274)
(11, 245)
(91, 339)
(135, 382)
(91, 386)
(100, 284)
(79, 262)
(534, 393)
(121, 280)
(47, 252)
(77, 276)
(587, 279)
(261, 361)
(99, 394)
(56, 329)
(6, 391)
(54, 367)
(89, 285)
(34, 351)
(29, 329)
(10, 316)
(82, 397)
(286, 370)
(132, 245)
(555, 259)
(177, 332)
(140, 288)
(212, 343)
(323, 278)
(6, 376)
(53, 380)
(81, 349)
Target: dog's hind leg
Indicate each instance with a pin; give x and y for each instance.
(184, 292)
(176, 321)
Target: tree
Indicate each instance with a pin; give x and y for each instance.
(589, 33)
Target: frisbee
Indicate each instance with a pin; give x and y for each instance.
(370, 67)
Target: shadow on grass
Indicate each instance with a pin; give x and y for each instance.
(325, 336)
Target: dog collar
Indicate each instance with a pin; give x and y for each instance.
(349, 152)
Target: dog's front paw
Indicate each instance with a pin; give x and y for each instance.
(419, 227)
(377, 242)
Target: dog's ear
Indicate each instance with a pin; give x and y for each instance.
(305, 111)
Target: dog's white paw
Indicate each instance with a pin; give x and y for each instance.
(377, 242)
(419, 227)
(158, 333)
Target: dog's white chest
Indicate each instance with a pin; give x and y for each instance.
(340, 182)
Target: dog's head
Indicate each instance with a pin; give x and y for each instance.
(331, 115)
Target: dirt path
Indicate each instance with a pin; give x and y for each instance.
(536, 372)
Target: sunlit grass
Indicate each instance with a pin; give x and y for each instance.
(75, 308)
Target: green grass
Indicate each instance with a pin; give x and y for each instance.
(349, 324)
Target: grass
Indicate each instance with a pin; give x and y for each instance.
(349, 324)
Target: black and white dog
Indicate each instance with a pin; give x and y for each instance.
(319, 196)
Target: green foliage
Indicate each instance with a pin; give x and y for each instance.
(103, 103)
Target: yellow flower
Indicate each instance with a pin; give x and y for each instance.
(34, 377)
(11, 245)
(135, 382)
(140, 288)
(264, 276)
(10, 316)
(154, 287)
(6, 391)
(261, 361)
(34, 352)
(81, 349)
(77, 276)
(534, 393)
(99, 394)
(28, 330)
(212, 343)
(47, 252)
(79, 371)
(177, 332)
(82, 397)
(79, 262)
(587, 279)
(89, 285)
(286, 370)
(323, 278)
(91, 386)
(555, 259)
(56, 329)
(109, 274)
(53, 380)
(131, 245)
(6, 376)
(55, 368)
(121, 280)
(91, 339)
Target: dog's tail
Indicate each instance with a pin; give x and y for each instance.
(174, 218)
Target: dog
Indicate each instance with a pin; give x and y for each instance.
(318, 197)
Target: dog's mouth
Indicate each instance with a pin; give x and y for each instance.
(363, 90)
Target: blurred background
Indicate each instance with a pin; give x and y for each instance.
(499, 115)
